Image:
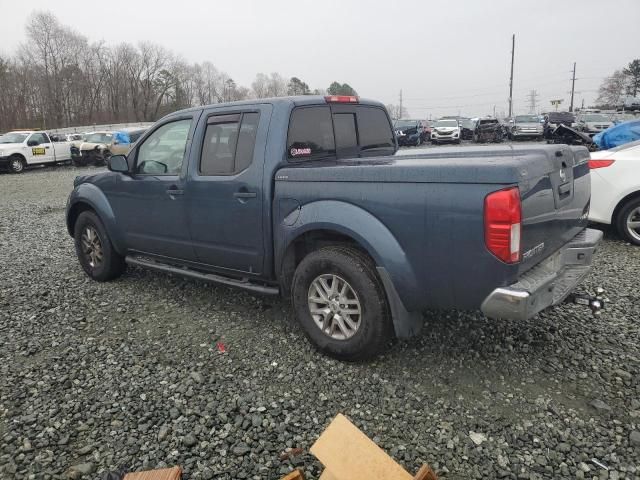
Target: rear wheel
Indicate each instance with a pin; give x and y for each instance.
(17, 164)
(341, 304)
(94, 249)
(628, 221)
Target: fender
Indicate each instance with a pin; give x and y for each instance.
(396, 272)
(91, 195)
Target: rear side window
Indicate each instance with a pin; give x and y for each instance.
(228, 144)
(345, 132)
(375, 131)
(310, 133)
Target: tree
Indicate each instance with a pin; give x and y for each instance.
(612, 89)
(395, 113)
(297, 87)
(633, 73)
(341, 89)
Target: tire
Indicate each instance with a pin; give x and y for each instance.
(17, 164)
(364, 292)
(458, 141)
(104, 267)
(629, 212)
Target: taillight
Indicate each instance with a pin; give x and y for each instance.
(600, 163)
(502, 224)
(341, 99)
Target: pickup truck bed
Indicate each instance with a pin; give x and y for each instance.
(308, 197)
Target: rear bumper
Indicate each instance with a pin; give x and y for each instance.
(548, 283)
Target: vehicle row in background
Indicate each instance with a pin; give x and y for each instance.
(22, 148)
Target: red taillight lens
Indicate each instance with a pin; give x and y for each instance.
(600, 163)
(341, 99)
(502, 224)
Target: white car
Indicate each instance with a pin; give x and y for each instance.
(446, 130)
(615, 189)
(21, 148)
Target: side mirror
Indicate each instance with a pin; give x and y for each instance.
(33, 143)
(118, 163)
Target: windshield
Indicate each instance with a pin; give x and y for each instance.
(99, 138)
(527, 119)
(405, 124)
(561, 117)
(13, 137)
(446, 123)
(596, 118)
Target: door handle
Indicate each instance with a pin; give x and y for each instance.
(174, 191)
(245, 194)
(47, 148)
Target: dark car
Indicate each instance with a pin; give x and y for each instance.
(309, 198)
(409, 132)
(488, 130)
(553, 119)
(467, 126)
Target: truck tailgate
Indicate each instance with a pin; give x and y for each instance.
(555, 200)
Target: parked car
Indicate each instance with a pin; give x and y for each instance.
(553, 119)
(629, 103)
(488, 130)
(23, 148)
(467, 126)
(124, 139)
(446, 131)
(615, 189)
(306, 197)
(592, 123)
(94, 149)
(409, 132)
(618, 118)
(525, 126)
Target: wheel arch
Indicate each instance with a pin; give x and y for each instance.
(621, 203)
(88, 197)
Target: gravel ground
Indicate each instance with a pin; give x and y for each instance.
(96, 376)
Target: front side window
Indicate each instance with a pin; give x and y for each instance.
(39, 137)
(162, 153)
(229, 143)
(311, 133)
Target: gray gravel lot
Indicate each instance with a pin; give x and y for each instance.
(98, 376)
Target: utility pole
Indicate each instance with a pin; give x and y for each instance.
(513, 48)
(573, 86)
(400, 112)
(532, 101)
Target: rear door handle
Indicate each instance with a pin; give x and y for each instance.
(174, 191)
(245, 194)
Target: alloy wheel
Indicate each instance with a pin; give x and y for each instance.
(92, 247)
(633, 223)
(334, 306)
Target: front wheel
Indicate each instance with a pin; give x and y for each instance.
(628, 221)
(94, 249)
(341, 304)
(17, 164)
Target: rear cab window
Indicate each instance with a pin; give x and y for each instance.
(339, 131)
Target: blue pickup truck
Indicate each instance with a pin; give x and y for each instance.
(308, 197)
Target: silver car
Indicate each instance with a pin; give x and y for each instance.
(525, 126)
(592, 123)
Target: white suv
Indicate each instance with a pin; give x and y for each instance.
(446, 130)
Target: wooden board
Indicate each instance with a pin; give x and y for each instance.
(350, 455)
(295, 475)
(174, 473)
(326, 475)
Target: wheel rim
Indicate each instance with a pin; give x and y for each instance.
(16, 165)
(92, 247)
(335, 307)
(633, 223)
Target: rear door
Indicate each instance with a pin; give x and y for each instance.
(224, 192)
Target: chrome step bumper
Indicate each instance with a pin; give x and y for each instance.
(546, 284)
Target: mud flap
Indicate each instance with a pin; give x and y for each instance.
(405, 324)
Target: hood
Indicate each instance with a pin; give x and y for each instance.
(10, 145)
(80, 179)
(92, 146)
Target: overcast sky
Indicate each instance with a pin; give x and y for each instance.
(446, 56)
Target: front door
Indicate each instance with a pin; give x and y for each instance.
(225, 193)
(149, 204)
(39, 148)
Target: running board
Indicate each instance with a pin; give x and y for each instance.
(205, 277)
